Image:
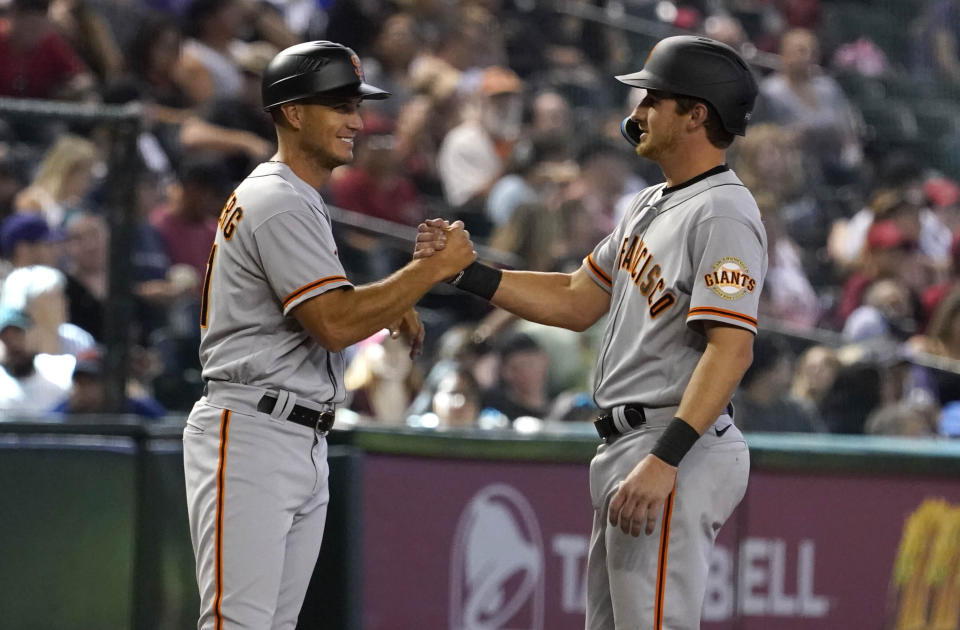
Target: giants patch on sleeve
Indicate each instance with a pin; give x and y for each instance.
(730, 278)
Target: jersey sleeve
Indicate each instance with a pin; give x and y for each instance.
(730, 259)
(299, 256)
(600, 262)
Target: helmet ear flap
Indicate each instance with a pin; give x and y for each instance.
(631, 131)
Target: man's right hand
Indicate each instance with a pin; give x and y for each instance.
(431, 238)
(455, 254)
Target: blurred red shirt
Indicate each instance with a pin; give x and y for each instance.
(394, 199)
(38, 71)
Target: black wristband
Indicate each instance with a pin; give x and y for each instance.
(675, 442)
(478, 279)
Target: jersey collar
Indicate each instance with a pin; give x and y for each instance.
(716, 170)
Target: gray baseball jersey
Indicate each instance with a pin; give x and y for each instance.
(274, 250)
(693, 254)
(256, 483)
(681, 256)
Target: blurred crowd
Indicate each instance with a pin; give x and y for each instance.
(504, 114)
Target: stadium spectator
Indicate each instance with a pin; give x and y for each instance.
(934, 295)
(188, 222)
(381, 379)
(816, 369)
(803, 99)
(937, 42)
(26, 239)
(522, 386)
(374, 184)
(208, 67)
(886, 315)
(456, 403)
(88, 392)
(31, 383)
(37, 60)
(86, 262)
(904, 205)
(887, 255)
(39, 292)
(763, 402)
(89, 34)
(902, 420)
(473, 154)
(854, 394)
(769, 164)
(397, 44)
(236, 130)
(64, 181)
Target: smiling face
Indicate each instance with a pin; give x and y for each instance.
(657, 117)
(328, 131)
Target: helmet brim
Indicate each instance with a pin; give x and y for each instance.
(646, 80)
(372, 92)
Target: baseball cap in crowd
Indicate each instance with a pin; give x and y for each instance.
(24, 226)
(498, 80)
(89, 362)
(941, 192)
(886, 235)
(12, 317)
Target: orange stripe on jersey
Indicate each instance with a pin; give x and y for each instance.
(310, 287)
(600, 272)
(662, 562)
(708, 310)
(218, 597)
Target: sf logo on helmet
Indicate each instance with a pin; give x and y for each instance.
(356, 66)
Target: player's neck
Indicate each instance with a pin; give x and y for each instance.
(303, 167)
(682, 166)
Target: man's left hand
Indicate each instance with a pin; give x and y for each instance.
(639, 502)
(411, 328)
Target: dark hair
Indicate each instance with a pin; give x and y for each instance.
(150, 30)
(716, 134)
(31, 6)
(198, 12)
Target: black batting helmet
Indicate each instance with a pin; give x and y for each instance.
(689, 65)
(312, 69)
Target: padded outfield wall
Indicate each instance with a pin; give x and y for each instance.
(467, 530)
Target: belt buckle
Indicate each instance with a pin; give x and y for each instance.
(325, 420)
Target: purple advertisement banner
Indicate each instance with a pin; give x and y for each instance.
(470, 545)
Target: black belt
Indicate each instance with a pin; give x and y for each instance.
(635, 417)
(606, 427)
(321, 421)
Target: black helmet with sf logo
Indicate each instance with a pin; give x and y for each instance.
(690, 65)
(318, 68)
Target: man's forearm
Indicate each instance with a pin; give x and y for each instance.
(341, 318)
(713, 382)
(553, 299)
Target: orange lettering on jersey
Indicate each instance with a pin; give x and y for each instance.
(666, 301)
(659, 287)
(623, 252)
(627, 260)
(646, 274)
(227, 209)
(641, 255)
(651, 280)
(231, 225)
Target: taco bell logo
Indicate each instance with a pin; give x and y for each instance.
(496, 568)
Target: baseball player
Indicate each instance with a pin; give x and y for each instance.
(680, 279)
(277, 310)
